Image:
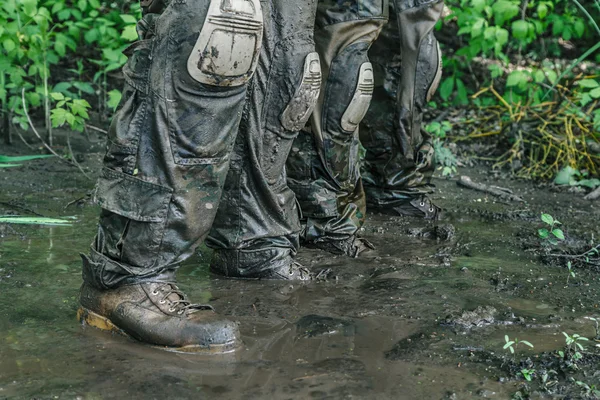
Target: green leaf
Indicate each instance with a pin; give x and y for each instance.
(128, 19)
(558, 233)
(548, 219)
(542, 11)
(588, 83)
(566, 176)
(525, 342)
(595, 93)
(114, 98)
(539, 76)
(446, 88)
(129, 33)
(520, 28)
(543, 233)
(57, 96)
(8, 45)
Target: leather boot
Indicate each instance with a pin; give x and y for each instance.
(158, 313)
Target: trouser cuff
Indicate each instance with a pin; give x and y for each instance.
(252, 264)
(104, 273)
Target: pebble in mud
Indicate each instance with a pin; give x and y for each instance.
(317, 325)
(479, 317)
(442, 232)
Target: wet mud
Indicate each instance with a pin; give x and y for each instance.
(423, 316)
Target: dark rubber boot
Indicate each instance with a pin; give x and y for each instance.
(157, 313)
(421, 207)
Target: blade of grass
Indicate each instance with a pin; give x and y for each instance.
(13, 219)
(10, 159)
(573, 65)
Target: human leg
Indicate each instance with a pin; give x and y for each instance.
(324, 166)
(398, 161)
(167, 158)
(255, 234)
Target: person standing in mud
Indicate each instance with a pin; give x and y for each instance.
(324, 165)
(215, 93)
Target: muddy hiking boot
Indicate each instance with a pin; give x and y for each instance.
(288, 271)
(420, 207)
(158, 313)
(351, 247)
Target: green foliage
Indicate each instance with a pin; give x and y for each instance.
(552, 234)
(69, 111)
(573, 177)
(573, 348)
(513, 344)
(528, 374)
(84, 37)
(589, 390)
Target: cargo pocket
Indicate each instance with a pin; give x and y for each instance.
(133, 217)
(129, 120)
(288, 106)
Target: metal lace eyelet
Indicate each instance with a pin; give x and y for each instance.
(171, 310)
(180, 312)
(154, 293)
(162, 302)
(422, 204)
(431, 209)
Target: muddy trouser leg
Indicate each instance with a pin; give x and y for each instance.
(170, 142)
(324, 166)
(398, 162)
(255, 234)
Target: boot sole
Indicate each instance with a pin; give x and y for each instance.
(90, 318)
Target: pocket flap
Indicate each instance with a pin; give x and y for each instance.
(131, 197)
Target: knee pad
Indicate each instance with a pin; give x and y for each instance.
(359, 105)
(298, 111)
(226, 52)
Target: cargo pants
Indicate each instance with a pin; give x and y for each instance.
(215, 93)
(324, 168)
(324, 165)
(399, 153)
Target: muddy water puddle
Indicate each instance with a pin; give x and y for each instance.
(401, 322)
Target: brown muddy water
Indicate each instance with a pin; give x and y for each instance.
(392, 324)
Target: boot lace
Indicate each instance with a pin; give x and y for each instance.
(180, 305)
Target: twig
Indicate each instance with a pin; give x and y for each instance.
(23, 139)
(467, 182)
(595, 195)
(73, 157)
(95, 128)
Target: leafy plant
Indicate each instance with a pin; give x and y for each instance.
(528, 374)
(551, 234)
(73, 112)
(513, 344)
(573, 348)
(439, 129)
(589, 390)
(573, 177)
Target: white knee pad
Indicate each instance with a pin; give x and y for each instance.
(303, 103)
(359, 105)
(226, 52)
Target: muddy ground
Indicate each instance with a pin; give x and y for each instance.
(423, 316)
